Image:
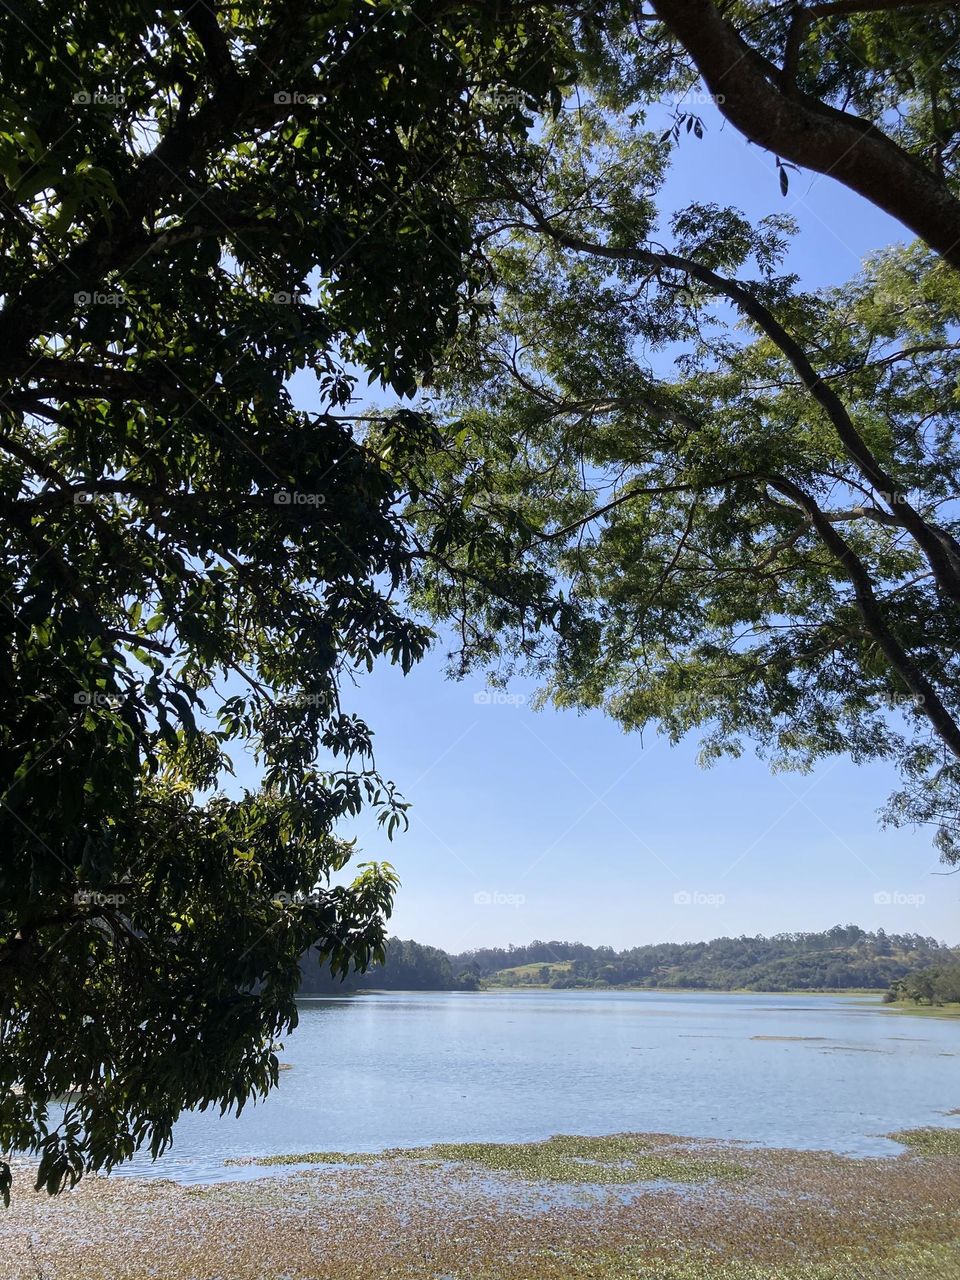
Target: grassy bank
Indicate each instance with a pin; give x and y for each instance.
(643, 1206)
(924, 1010)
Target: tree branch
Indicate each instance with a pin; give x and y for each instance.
(752, 96)
(202, 21)
(869, 609)
(940, 549)
(641, 492)
(103, 380)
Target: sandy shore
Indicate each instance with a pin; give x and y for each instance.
(648, 1207)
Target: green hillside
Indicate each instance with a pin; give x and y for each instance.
(843, 958)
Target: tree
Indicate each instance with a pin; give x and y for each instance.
(200, 203)
(694, 493)
(936, 985)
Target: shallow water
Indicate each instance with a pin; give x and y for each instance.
(404, 1069)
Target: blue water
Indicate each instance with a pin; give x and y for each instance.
(403, 1069)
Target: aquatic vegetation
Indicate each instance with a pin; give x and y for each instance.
(307, 1157)
(911, 1010)
(930, 1141)
(853, 1048)
(619, 1158)
(490, 1211)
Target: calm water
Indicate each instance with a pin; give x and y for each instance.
(404, 1069)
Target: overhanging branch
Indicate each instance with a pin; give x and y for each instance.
(757, 100)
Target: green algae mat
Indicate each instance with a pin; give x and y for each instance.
(620, 1157)
(620, 1207)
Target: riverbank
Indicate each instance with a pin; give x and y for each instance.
(879, 992)
(923, 1010)
(648, 1207)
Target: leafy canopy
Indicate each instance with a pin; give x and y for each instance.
(199, 204)
(678, 485)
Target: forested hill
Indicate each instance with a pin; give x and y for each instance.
(842, 957)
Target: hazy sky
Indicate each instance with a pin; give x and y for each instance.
(557, 826)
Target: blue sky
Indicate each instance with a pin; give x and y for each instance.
(555, 825)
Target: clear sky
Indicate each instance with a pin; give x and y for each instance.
(558, 826)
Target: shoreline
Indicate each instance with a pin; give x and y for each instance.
(853, 993)
(924, 1010)
(531, 986)
(696, 991)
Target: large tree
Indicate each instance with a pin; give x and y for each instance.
(693, 492)
(198, 203)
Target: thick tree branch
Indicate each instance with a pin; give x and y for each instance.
(868, 606)
(808, 132)
(843, 517)
(201, 18)
(103, 380)
(940, 549)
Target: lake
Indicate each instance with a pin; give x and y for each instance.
(404, 1069)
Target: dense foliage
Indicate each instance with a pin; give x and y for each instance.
(760, 542)
(199, 204)
(842, 957)
(677, 485)
(937, 984)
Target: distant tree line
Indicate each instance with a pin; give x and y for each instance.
(407, 966)
(843, 957)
